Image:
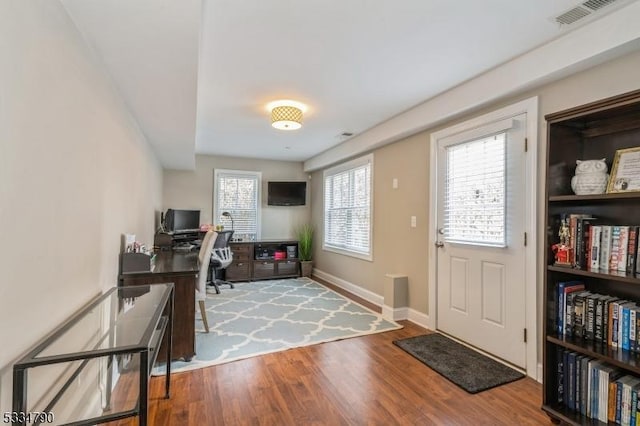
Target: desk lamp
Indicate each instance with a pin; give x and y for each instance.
(227, 214)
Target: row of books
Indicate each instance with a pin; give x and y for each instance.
(596, 389)
(597, 317)
(602, 247)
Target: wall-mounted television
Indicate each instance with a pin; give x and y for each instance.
(287, 193)
(181, 220)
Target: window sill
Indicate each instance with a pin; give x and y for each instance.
(368, 257)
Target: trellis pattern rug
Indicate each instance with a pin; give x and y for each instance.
(262, 317)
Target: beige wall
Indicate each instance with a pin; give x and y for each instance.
(397, 248)
(400, 249)
(75, 173)
(194, 190)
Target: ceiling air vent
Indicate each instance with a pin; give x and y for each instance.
(573, 15)
(583, 10)
(344, 136)
(597, 4)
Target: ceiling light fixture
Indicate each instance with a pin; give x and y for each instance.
(286, 115)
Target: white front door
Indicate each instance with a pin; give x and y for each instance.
(481, 238)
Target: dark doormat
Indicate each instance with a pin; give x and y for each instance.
(465, 367)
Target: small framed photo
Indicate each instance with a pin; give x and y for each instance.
(625, 172)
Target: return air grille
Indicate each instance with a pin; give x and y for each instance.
(572, 16)
(583, 10)
(597, 4)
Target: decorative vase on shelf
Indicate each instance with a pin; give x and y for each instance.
(591, 177)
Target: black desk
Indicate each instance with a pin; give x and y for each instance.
(180, 268)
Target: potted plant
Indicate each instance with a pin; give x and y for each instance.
(305, 249)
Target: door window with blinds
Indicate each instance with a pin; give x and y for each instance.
(474, 192)
(238, 193)
(348, 208)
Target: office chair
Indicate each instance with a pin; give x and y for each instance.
(204, 257)
(221, 257)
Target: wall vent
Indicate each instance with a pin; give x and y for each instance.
(583, 10)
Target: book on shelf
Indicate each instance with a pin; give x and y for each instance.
(592, 391)
(628, 383)
(624, 324)
(614, 255)
(601, 318)
(582, 249)
(596, 389)
(623, 249)
(607, 375)
(608, 248)
(584, 383)
(570, 379)
(605, 248)
(579, 313)
(594, 242)
(637, 262)
(575, 238)
(634, 405)
(632, 248)
(563, 290)
(560, 374)
(637, 346)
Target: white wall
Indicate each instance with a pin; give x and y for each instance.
(194, 190)
(75, 173)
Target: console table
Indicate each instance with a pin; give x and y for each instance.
(264, 259)
(90, 364)
(180, 268)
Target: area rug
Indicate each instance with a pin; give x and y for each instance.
(262, 317)
(465, 367)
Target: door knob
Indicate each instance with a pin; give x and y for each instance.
(439, 244)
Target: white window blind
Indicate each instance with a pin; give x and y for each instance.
(347, 207)
(238, 192)
(474, 195)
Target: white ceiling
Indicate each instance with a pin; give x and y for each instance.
(197, 75)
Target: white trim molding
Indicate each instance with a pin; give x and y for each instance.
(530, 108)
(367, 295)
(407, 313)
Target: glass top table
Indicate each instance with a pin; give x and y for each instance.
(92, 364)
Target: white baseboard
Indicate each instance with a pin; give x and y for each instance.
(396, 314)
(419, 318)
(539, 378)
(367, 295)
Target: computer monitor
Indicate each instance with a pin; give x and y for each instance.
(182, 220)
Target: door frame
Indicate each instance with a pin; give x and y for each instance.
(530, 107)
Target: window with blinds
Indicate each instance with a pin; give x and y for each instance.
(348, 208)
(238, 192)
(474, 193)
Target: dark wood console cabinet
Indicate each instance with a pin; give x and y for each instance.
(259, 260)
(241, 267)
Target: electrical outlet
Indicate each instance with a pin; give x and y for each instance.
(414, 222)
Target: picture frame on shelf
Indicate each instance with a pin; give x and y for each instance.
(625, 171)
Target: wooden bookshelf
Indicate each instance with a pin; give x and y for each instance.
(591, 131)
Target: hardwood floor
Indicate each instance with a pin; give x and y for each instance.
(364, 380)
